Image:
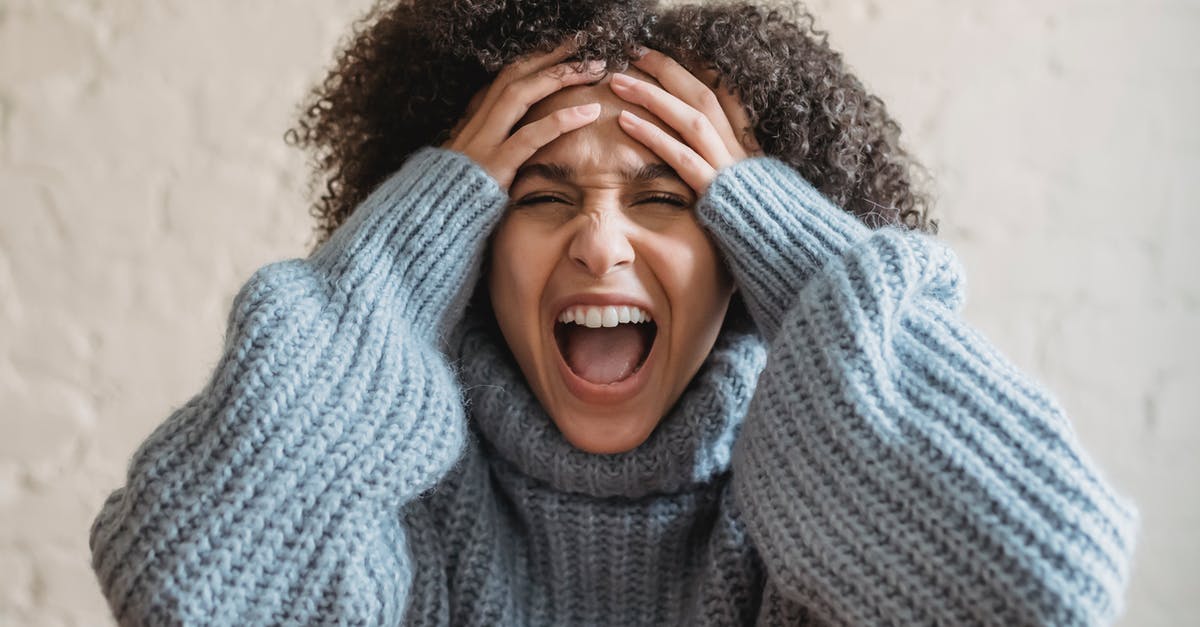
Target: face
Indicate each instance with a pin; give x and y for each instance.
(598, 224)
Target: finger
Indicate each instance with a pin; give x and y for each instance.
(513, 71)
(686, 86)
(518, 97)
(530, 138)
(695, 127)
(527, 65)
(690, 166)
(540, 60)
(735, 111)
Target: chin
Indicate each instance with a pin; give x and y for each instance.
(601, 435)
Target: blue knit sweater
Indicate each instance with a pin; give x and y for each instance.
(367, 452)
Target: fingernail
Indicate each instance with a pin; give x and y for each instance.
(639, 51)
(623, 80)
(626, 116)
(596, 67)
(589, 109)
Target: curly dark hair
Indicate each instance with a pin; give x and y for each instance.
(411, 67)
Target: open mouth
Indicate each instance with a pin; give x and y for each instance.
(605, 355)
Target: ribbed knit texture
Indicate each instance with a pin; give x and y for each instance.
(895, 468)
(850, 453)
(273, 495)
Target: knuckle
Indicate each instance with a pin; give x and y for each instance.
(510, 72)
(509, 90)
(527, 145)
(708, 101)
(517, 92)
(687, 157)
(525, 137)
(556, 72)
(699, 123)
(541, 134)
(518, 145)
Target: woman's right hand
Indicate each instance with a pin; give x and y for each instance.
(485, 132)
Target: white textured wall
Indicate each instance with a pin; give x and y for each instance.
(143, 177)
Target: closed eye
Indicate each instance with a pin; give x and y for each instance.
(663, 199)
(540, 199)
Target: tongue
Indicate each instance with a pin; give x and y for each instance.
(603, 355)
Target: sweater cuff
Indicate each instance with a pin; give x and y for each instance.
(775, 230)
(419, 237)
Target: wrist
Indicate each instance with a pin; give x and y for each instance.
(775, 231)
(418, 236)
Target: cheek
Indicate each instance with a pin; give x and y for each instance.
(692, 273)
(520, 266)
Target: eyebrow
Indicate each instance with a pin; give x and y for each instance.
(650, 172)
(551, 171)
(564, 173)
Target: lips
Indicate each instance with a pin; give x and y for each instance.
(607, 377)
(605, 355)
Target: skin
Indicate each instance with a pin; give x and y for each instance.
(582, 222)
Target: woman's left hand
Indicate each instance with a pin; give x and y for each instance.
(704, 117)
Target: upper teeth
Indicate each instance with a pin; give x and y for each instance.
(610, 316)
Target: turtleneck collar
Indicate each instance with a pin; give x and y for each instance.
(691, 446)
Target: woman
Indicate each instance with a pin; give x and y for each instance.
(714, 371)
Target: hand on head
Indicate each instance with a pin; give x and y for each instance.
(485, 134)
(712, 122)
(706, 119)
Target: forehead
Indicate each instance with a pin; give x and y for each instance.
(583, 94)
(602, 146)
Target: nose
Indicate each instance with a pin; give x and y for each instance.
(600, 247)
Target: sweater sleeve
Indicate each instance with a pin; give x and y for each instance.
(893, 466)
(274, 495)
